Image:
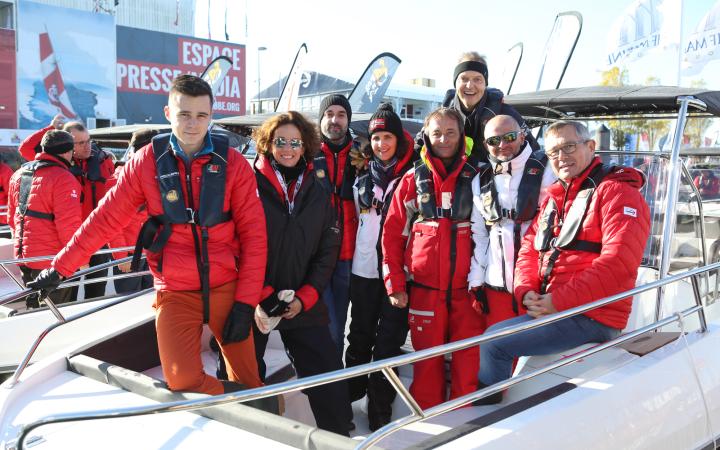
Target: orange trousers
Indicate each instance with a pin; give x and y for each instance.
(179, 325)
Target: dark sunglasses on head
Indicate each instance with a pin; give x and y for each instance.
(282, 142)
(495, 141)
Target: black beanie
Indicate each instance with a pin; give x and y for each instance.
(335, 99)
(477, 66)
(57, 142)
(385, 119)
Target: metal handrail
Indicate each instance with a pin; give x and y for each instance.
(104, 266)
(103, 251)
(384, 365)
(12, 381)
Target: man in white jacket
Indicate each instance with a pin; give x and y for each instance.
(506, 195)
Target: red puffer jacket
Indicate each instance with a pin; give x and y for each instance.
(129, 234)
(345, 209)
(31, 143)
(94, 191)
(55, 191)
(423, 247)
(618, 217)
(237, 248)
(5, 173)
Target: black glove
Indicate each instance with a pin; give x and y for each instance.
(273, 306)
(47, 281)
(238, 322)
(482, 300)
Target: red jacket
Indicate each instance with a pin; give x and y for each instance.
(422, 247)
(336, 163)
(55, 191)
(28, 147)
(94, 189)
(129, 235)
(5, 173)
(618, 217)
(237, 248)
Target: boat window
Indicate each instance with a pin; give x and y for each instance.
(687, 249)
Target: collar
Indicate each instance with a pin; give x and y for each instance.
(180, 153)
(515, 165)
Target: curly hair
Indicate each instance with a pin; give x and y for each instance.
(264, 135)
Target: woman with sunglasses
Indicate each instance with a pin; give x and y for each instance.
(377, 329)
(303, 246)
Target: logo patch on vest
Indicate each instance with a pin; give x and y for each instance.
(320, 173)
(424, 198)
(628, 211)
(533, 171)
(213, 168)
(172, 196)
(487, 199)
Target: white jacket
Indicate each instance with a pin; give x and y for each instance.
(493, 261)
(365, 259)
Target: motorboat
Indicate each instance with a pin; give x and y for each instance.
(657, 385)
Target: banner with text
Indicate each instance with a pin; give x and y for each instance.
(8, 94)
(147, 62)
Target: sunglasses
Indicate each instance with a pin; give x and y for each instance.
(494, 141)
(280, 142)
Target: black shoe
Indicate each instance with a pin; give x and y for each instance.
(351, 426)
(492, 399)
(377, 421)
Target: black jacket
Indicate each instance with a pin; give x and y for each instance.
(303, 246)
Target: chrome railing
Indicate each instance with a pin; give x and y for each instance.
(387, 365)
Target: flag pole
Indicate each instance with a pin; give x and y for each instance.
(680, 42)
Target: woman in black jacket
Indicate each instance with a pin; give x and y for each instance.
(303, 246)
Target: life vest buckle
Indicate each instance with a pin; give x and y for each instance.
(192, 215)
(377, 204)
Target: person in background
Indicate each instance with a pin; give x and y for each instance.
(586, 244)
(44, 209)
(427, 247)
(377, 329)
(30, 146)
(334, 172)
(303, 245)
(5, 173)
(507, 193)
(477, 104)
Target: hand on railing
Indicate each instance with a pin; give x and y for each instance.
(47, 281)
(124, 267)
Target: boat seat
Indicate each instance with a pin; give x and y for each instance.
(262, 423)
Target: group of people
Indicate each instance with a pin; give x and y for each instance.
(464, 228)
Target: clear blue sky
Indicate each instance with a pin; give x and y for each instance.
(428, 36)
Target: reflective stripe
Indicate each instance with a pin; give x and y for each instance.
(422, 313)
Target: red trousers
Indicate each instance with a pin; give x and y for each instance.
(179, 325)
(433, 323)
(500, 304)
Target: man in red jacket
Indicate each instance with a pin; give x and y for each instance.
(206, 241)
(335, 173)
(586, 244)
(427, 235)
(44, 208)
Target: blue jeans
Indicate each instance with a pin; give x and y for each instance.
(337, 299)
(496, 357)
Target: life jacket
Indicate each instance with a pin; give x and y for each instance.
(27, 174)
(571, 225)
(462, 203)
(93, 174)
(322, 175)
(179, 210)
(526, 203)
(366, 193)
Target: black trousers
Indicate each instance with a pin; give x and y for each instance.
(94, 290)
(58, 296)
(133, 284)
(312, 352)
(377, 331)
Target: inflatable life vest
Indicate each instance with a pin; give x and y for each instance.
(97, 156)
(179, 210)
(571, 225)
(462, 203)
(27, 174)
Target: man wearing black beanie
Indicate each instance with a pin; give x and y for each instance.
(49, 213)
(334, 171)
(477, 104)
